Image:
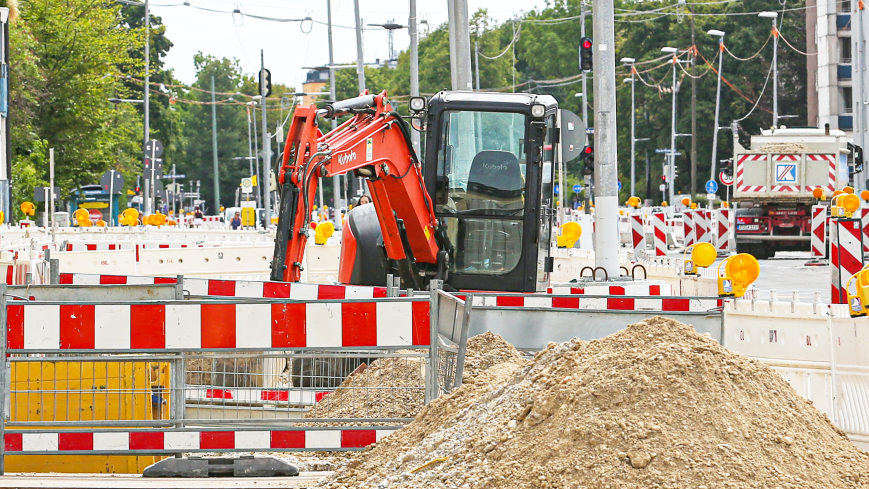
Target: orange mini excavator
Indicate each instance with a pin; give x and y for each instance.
(477, 214)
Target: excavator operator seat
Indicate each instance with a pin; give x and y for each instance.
(495, 180)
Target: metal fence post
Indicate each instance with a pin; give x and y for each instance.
(4, 384)
(431, 373)
(54, 271)
(177, 389)
(463, 340)
(179, 287)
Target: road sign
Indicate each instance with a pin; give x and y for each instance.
(667, 151)
(40, 194)
(170, 177)
(620, 184)
(157, 163)
(556, 189)
(726, 180)
(711, 187)
(577, 188)
(589, 130)
(154, 145)
(662, 187)
(112, 182)
(247, 186)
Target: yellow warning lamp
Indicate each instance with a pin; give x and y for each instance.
(101, 223)
(686, 201)
(844, 205)
(837, 193)
(130, 217)
(221, 208)
(324, 231)
(158, 219)
(82, 218)
(664, 204)
(570, 233)
(740, 271)
(621, 212)
(702, 256)
(858, 300)
(172, 223)
(848, 190)
(818, 193)
(28, 208)
(693, 205)
(634, 202)
(2, 217)
(725, 204)
(864, 195)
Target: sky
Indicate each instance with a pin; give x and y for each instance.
(287, 49)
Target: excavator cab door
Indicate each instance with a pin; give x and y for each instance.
(492, 188)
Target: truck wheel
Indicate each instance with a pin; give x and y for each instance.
(758, 250)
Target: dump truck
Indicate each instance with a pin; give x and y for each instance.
(774, 181)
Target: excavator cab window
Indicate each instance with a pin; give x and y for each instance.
(480, 189)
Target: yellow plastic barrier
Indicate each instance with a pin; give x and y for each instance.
(73, 391)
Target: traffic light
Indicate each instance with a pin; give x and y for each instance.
(588, 160)
(586, 56)
(265, 82)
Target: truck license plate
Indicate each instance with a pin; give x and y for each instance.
(748, 227)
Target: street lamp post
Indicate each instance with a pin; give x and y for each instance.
(773, 16)
(671, 173)
(630, 62)
(720, 35)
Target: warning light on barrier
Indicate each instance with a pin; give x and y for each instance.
(818, 193)
(864, 195)
(848, 190)
(740, 271)
(702, 256)
(130, 217)
(844, 205)
(570, 233)
(664, 204)
(28, 208)
(725, 205)
(324, 231)
(686, 201)
(693, 205)
(857, 300)
(837, 193)
(101, 223)
(634, 202)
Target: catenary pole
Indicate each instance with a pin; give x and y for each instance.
(412, 29)
(214, 148)
(606, 236)
(149, 206)
(336, 179)
(717, 106)
(267, 149)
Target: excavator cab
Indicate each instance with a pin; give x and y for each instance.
(488, 165)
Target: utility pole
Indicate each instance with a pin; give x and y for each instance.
(414, 64)
(267, 148)
(606, 194)
(336, 179)
(773, 16)
(858, 92)
(584, 87)
(477, 64)
(360, 59)
(630, 62)
(251, 159)
(693, 107)
(720, 34)
(214, 148)
(451, 29)
(463, 46)
(147, 98)
(671, 171)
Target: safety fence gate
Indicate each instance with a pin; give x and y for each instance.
(102, 378)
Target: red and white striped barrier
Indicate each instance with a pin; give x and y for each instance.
(236, 288)
(701, 226)
(831, 173)
(174, 325)
(659, 220)
(751, 159)
(724, 241)
(630, 289)
(846, 255)
(157, 441)
(602, 303)
(98, 246)
(637, 234)
(252, 395)
(688, 226)
(819, 231)
(864, 225)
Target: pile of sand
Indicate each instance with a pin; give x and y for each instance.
(654, 405)
(781, 148)
(394, 387)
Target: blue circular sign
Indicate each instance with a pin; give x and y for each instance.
(577, 188)
(711, 187)
(556, 189)
(620, 184)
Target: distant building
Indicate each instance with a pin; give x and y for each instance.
(829, 82)
(316, 81)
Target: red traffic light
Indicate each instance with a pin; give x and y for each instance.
(586, 44)
(663, 178)
(588, 150)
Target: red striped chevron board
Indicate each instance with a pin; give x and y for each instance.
(601, 303)
(187, 325)
(235, 288)
(156, 442)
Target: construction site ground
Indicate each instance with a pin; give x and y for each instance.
(99, 481)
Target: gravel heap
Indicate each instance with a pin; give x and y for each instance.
(654, 405)
(781, 148)
(392, 387)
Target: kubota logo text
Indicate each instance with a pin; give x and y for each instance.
(347, 158)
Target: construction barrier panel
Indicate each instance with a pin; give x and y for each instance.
(638, 236)
(864, 225)
(688, 226)
(194, 336)
(659, 220)
(725, 241)
(819, 231)
(846, 255)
